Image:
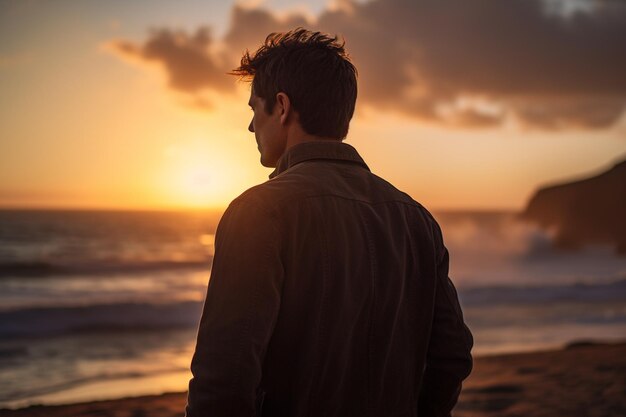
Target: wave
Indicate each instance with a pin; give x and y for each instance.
(49, 269)
(13, 352)
(20, 394)
(118, 317)
(145, 316)
(534, 294)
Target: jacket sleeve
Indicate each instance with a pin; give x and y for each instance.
(240, 310)
(448, 360)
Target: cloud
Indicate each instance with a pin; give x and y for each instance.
(452, 62)
(15, 61)
(190, 65)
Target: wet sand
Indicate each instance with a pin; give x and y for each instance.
(581, 380)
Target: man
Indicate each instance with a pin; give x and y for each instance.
(329, 293)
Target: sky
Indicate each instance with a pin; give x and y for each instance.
(462, 104)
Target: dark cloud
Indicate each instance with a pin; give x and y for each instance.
(454, 62)
(189, 63)
(249, 27)
(583, 112)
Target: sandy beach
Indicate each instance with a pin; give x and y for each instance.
(580, 380)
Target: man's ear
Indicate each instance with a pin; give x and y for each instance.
(284, 107)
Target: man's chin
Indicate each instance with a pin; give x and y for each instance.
(267, 165)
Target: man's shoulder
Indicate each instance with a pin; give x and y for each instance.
(263, 191)
(405, 198)
(312, 179)
(265, 197)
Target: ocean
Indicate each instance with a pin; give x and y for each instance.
(105, 304)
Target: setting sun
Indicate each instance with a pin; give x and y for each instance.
(202, 172)
(196, 177)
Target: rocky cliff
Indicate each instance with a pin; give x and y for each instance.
(587, 211)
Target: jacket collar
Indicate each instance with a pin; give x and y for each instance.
(318, 149)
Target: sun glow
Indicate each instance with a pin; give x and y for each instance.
(197, 184)
(196, 176)
(205, 172)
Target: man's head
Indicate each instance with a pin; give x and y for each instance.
(303, 77)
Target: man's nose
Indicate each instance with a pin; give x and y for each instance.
(251, 127)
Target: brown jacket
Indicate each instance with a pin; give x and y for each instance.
(329, 296)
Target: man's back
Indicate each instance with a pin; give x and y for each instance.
(348, 310)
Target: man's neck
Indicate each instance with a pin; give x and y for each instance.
(302, 137)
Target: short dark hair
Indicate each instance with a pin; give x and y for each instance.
(315, 72)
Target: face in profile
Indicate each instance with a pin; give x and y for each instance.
(268, 132)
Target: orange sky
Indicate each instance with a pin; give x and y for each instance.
(127, 105)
